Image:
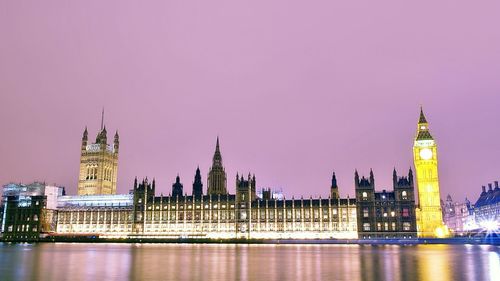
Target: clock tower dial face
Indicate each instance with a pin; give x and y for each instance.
(426, 154)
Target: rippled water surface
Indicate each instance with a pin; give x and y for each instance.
(66, 261)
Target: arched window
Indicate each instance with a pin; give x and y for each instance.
(404, 195)
(366, 226)
(365, 195)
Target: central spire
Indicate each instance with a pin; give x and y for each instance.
(217, 160)
(217, 174)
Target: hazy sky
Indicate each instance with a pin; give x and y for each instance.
(294, 89)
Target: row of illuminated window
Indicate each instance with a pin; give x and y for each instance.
(92, 173)
(306, 226)
(270, 213)
(23, 217)
(384, 212)
(22, 228)
(190, 206)
(81, 216)
(256, 227)
(386, 226)
(404, 195)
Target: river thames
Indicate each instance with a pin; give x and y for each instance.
(67, 261)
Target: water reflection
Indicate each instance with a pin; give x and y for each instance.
(247, 262)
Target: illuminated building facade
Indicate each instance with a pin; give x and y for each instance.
(142, 214)
(244, 215)
(487, 208)
(27, 210)
(95, 214)
(429, 214)
(99, 211)
(98, 164)
(386, 214)
(458, 216)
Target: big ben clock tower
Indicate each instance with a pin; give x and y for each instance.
(429, 215)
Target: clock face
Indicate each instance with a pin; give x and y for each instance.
(426, 154)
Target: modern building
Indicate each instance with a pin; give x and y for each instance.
(98, 164)
(386, 214)
(27, 210)
(487, 208)
(429, 214)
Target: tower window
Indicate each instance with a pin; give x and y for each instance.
(365, 195)
(365, 212)
(406, 212)
(404, 195)
(366, 226)
(406, 226)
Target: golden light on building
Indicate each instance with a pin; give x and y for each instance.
(429, 215)
(98, 164)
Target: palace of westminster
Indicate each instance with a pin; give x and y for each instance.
(32, 211)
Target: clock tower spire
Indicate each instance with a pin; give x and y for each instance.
(429, 215)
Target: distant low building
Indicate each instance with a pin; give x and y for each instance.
(458, 216)
(487, 207)
(270, 193)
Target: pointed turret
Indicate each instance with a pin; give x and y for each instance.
(356, 178)
(116, 143)
(177, 188)
(85, 139)
(334, 180)
(85, 134)
(394, 177)
(334, 189)
(197, 184)
(410, 176)
(372, 178)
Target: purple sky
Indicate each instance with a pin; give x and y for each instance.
(294, 89)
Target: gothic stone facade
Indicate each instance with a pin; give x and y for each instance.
(143, 214)
(98, 165)
(386, 214)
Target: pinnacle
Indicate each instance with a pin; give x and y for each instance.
(422, 118)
